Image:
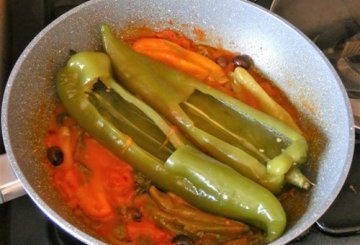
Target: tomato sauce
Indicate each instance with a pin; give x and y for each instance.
(97, 185)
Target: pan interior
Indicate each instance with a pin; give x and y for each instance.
(288, 58)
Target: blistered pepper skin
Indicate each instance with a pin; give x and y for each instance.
(234, 196)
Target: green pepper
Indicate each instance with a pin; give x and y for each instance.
(255, 144)
(172, 213)
(226, 186)
(121, 122)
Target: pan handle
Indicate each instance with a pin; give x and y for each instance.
(10, 185)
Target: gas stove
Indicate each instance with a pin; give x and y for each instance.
(21, 222)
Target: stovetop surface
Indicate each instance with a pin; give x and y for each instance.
(21, 222)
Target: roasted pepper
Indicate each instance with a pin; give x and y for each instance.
(243, 78)
(242, 137)
(182, 59)
(121, 122)
(173, 213)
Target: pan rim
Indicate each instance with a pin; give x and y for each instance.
(43, 206)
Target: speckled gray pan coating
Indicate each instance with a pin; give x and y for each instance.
(280, 51)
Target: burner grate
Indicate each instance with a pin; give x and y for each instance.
(343, 217)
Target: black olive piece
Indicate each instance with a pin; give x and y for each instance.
(222, 61)
(55, 155)
(243, 61)
(136, 215)
(72, 52)
(182, 240)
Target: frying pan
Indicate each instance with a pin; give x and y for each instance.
(283, 54)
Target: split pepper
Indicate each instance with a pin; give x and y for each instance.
(253, 143)
(139, 135)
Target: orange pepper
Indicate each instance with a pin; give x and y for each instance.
(180, 58)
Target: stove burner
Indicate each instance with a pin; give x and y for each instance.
(343, 216)
(341, 44)
(20, 220)
(336, 35)
(302, 236)
(347, 231)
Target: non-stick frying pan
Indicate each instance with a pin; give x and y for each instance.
(284, 54)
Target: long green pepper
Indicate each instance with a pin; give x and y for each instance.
(253, 143)
(121, 122)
